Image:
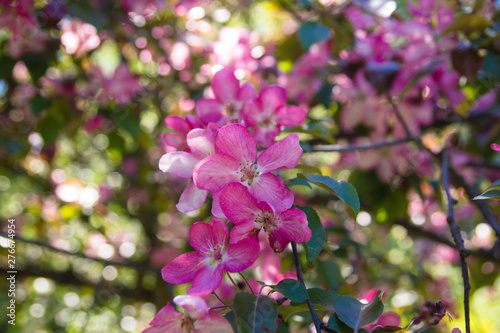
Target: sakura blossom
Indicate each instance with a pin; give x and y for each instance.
(236, 161)
(250, 217)
(205, 266)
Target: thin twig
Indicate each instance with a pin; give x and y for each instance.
(134, 265)
(220, 307)
(344, 148)
(455, 231)
(300, 277)
(232, 281)
(213, 292)
(248, 284)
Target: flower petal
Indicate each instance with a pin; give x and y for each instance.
(201, 142)
(283, 154)
(182, 269)
(209, 110)
(294, 226)
(236, 141)
(246, 92)
(191, 199)
(244, 231)
(213, 322)
(177, 123)
(193, 305)
(238, 204)
(290, 115)
(179, 163)
(252, 111)
(277, 242)
(204, 237)
(273, 190)
(216, 171)
(207, 279)
(241, 255)
(166, 316)
(216, 210)
(225, 86)
(273, 97)
(174, 139)
(264, 136)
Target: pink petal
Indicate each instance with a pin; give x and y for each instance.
(201, 142)
(207, 279)
(216, 171)
(174, 139)
(177, 123)
(277, 242)
(241, 255)
(238, 204)
(178, 163)
(273, 97)
(246, 92)
(216, 210)
(290, 115)
(225, 86)
(252, 111)
(182, 269)
(283, 154)
(209, 110)
(294, 226)
(193, 305)
(204, 237)
(191, 199)
(264, 136)
(273, 190)
(244, 231)
(167, 315)
(213, 322)
(495, 146)
(236, 141)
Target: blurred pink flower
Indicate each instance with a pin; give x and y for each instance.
(78, 37)
(233, 49)
(196, 318)
(181, 126)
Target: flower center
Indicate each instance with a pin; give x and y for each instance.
(215, 255)
(229, 110)
(248, 171)
(188, 324)
(267, 220)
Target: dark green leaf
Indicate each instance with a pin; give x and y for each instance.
(311, 33)
(292, 289)
(49, 128)
(467, 24)
(293, 308)
(314, 246)
(231, 318)
(390, 329)
(7, 64)
(345, 191)
(355, 314)
(255, 313)
(297, 181)
(323, 298)
(492, 192)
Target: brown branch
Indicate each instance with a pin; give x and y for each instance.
(344, 148)
(455, 231)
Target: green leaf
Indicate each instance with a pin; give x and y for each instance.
(255, 313)
(329, 272)
(345, 191)
(296, 181)
(492, 192)
(308, 168)
(292, 289)
(390, 329)
(231, 318)
(356, 314)
(49, 128)
(314, 246)
(467, 24)
(293, 308)
(311, 33)
(323, 298)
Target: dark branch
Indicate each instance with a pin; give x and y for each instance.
(459, 242)
(344, 148)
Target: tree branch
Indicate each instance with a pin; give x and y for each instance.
(344, 148)
(455, 231)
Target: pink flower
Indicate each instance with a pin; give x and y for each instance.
(236, 162)
(229, 98)
(205, 266)
(267, 113)
(495, 146)
(182, 127)
(78, 37)
(196, 318)
(250, 216)
(386, 319)
(181, 163)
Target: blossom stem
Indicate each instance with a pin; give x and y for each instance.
(217, 296)
(246, 282)
(232, 281)
(300, 277)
